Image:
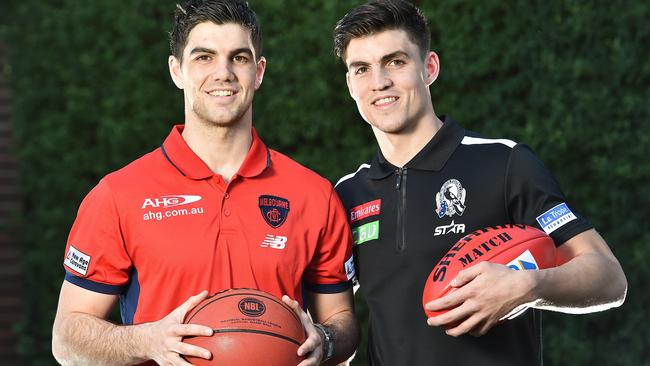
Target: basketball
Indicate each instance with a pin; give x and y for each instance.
(251, 327)
(519, 247)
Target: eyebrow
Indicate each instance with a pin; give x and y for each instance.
(245, 50)
(384, 59)
(202, 50)
(210, 51)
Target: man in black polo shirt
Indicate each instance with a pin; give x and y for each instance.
(431, 183)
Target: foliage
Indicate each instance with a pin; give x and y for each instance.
(92, 92)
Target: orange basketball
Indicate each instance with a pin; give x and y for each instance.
(251, 327)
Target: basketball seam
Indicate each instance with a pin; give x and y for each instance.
(237, 330)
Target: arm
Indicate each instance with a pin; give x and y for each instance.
(81, 335)
(336, 313)
(590, 280)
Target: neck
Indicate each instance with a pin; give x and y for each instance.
(400, 147)
(222, 148)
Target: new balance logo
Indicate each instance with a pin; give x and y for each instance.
(274, 241)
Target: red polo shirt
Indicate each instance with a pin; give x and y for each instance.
(165, 227)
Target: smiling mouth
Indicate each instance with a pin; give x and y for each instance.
(221, 93)
(384, 101)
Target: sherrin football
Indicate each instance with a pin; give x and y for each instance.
(519, 247)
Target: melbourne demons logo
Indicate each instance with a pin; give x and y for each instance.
(274, 210)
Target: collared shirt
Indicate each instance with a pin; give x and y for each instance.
(404, 219)
(165, 227)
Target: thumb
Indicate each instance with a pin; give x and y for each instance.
(190, 303)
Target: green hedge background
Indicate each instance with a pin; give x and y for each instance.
(570, 78)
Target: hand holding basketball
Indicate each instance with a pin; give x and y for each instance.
(165, 336)
(312, 347)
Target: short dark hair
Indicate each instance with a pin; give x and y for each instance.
(377, 16)
(195, 12)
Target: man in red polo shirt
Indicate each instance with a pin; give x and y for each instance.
(213, 208)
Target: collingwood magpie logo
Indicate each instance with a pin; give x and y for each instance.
(450, 200)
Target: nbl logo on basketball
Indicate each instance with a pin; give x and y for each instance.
(251, 307)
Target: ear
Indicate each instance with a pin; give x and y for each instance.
(259, 73)
(175, 71)
(347, 80)
(432, 67)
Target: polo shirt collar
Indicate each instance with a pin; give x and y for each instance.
(180, 156)
(433, 155)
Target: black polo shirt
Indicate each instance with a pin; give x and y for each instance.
(405, 219)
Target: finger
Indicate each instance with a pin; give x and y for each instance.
(453, 316)
(187, 330)
(190, 350)
(311, 343)
(481, 329)
(295, 306)
(177, 360)
(464, 327)
(466, 275)
(312, 359)
(192, 301)
(452, 299)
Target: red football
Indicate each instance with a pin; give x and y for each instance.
(251, 327)
(516, 246)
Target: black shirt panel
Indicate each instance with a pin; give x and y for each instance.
(532, 190)
(486, 183)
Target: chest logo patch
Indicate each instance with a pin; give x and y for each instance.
(450, 200)
(367, 209)
(366, 232)
(274, 210)
(274, 241)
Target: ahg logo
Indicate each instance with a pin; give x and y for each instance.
(251, 307)
(170, 201)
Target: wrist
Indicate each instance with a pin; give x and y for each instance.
(327, 341)
(532, 291)
(141, 341)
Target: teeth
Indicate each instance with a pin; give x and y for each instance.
(385, 100)
(221, 93)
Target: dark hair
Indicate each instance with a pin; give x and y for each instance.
(217, 11)
(380, 15)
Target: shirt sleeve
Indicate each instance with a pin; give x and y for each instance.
(95, 255)
(534, 198)
(333, 266)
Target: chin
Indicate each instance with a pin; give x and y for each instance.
(391, 128)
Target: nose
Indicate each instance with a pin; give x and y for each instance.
(222, 71)
(380, 80)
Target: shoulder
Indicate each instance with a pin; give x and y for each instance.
(297, 175)
(136, 172)
(495, 149)
(351, 178)
(473, 139)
